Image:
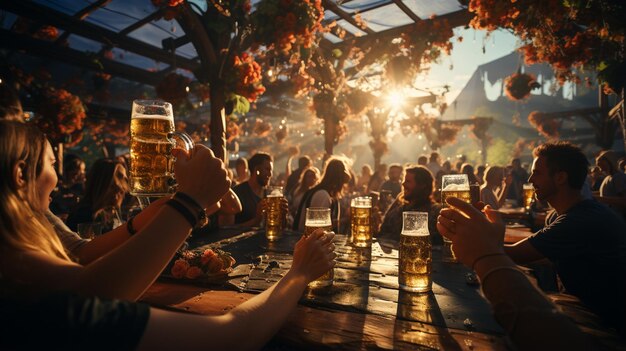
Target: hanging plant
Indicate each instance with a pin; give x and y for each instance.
(61, 116)
(518, 86)
(379, 148)
(49, 33)
(399, 70)
(245, 77)
(545, 125)
(173, 89)
(281, 24)
(480, 127)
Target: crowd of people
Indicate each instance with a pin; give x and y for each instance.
(58, 269)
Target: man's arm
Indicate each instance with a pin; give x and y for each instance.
(523, 252)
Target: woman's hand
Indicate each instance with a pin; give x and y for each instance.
(314, 255)
(473, 233)
(201, 175)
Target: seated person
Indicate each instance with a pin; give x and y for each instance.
(530, 320)
(107, 185)
(325, 194)
(72, 322)
(309, 178)
(416, 195)
(583, 238)
(27, 237)
(252, 191)
(393, 185)
(71, 189)
(494, 189)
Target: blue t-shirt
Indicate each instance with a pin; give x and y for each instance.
(587, 245)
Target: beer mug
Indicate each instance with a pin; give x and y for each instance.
(316, 218)
(415, 253)
(152, 139)
(274, 214)
(529, 195)
(360, 221)
(453, 185)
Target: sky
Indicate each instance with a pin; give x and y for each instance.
(456, 69)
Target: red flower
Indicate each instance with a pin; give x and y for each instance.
(180, 268)
(193, 272)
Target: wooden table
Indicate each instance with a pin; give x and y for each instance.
(364, 309)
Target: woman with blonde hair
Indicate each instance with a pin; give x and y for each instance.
(308, 179)
(34, 264)
(494, 189)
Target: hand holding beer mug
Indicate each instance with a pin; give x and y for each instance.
(453, 185)
(275, 216)
(415, 253)
(152, 139)
(360, 221)
(319, 218)
(529, 195)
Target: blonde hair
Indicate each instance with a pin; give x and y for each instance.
(23, 226)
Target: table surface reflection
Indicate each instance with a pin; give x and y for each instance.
(363, 309)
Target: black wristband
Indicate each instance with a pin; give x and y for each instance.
(129, 226)
(188, 200)
(183, 210)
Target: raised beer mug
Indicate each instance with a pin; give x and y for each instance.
(453, 185)
(415, 253)
(152, 139)
(316, 218)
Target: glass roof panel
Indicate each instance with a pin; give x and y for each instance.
(329, 15)
(386, 17)
(7, 19)
(154, 34)
(360, 5)
(110, 19)
(350, 28)
(135, 60)
(83, 44)
(68, 7)
(332, 38)
(426, 8)
(187, 50)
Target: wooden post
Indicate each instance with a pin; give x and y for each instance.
(329, 136)
(218, 120)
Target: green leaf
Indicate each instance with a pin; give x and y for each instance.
(337, 53)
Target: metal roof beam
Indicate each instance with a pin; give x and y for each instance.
(71, 56)
(81, 15)
(29, 9)
(142, 22)
(329, 5)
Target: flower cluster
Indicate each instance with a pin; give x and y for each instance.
(547, 126)
(49, 33)
(173, 88)
(566, 34)
(285, 23)
(518, 86)
(246, 77)
(62, 115)
(193, 265)
(426, 41)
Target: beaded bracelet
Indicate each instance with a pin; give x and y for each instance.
(500, 268)
(201, 217)
(183, 210)
(129, 226)
(485, 256)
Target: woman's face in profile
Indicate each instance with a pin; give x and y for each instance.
(47, 180)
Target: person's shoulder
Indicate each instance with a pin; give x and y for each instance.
(241, 187)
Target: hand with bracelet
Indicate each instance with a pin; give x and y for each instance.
(474, 234)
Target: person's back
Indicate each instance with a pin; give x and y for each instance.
(587, 245)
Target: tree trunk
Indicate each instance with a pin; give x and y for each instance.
(329, 137)
(59, 156)
(218, 120)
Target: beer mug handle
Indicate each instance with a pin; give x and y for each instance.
(180, 140)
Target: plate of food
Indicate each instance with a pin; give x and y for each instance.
(204, 265)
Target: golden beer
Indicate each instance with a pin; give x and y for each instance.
(529, 196)
(360, 214)
(274, 218)
(415, 262)
(327, 278)
(464, 195)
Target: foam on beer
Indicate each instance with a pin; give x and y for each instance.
(317, 223)
(142, 116)
(415, 233)
(456, 187)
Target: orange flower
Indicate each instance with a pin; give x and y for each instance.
(215, 265)
(193, 272)
(207, 256)
(180, 268)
